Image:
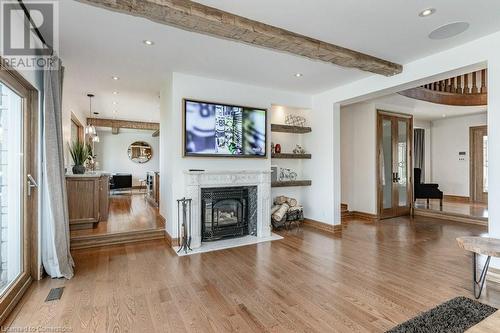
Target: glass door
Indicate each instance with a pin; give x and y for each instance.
(11, 180)
(394, 151)
(17, 194)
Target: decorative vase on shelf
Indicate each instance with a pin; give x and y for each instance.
(277, 148)
(78, 170)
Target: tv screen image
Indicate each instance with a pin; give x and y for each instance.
(224, 130)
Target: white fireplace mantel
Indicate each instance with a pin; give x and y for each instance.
(197, 180)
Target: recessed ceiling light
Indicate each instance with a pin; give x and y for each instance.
(115, 92)
(427, 12)
(116, 78)
(449, 30)
(114, 103)
(299, 75)
(148, 42)
(444, 116)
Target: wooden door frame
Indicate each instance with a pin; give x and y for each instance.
(81, 133)
(472, 168)
(31, 264)
(409, 156)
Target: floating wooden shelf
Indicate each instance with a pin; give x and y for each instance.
(292, 156)
(290, 183)
(290, 129)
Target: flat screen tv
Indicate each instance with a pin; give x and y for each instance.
(221, 130)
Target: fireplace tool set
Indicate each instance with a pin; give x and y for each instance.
(184, 226)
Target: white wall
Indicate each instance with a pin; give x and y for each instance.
(288, 141)
(358, 157)
(112, 153)
(450, 136)
(494, 141)
(182, 86)
(467, 57)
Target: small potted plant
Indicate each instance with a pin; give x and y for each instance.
(79, 153)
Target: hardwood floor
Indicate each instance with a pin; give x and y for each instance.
(369, 279)
(127, 212)
(468, 209)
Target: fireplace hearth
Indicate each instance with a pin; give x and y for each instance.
(226, 212)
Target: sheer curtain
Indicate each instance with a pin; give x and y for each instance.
(419, 150)
(56, 256)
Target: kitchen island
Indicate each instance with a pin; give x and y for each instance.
(88, 199)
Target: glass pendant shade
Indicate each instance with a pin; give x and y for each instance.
(90, 130)
(96, 138)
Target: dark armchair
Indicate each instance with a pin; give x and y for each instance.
(426, 191)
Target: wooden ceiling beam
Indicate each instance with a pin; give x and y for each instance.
(113, 123)
(195, 17)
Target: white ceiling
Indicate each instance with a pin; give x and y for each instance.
(97, 44)
(426, 111)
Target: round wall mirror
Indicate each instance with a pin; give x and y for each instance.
(140, 152)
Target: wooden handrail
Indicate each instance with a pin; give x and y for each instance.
(469, 89)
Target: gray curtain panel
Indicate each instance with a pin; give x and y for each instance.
(419, 150)
(56, 256)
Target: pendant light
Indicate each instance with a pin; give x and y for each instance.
(95, 138)
(90, 129)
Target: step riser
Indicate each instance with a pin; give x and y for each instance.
(116, 239)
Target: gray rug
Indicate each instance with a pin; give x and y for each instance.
(455, 316)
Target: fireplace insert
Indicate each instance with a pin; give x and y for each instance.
(224, 213)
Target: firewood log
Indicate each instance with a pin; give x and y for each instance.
(274, 209)
(281, 212)
(280, 200)
(294, 208)
(291, 202)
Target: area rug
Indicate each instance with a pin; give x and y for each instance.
(454, 316)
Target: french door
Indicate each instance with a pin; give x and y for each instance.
(394, 161)
(478, 138)
(18, 194)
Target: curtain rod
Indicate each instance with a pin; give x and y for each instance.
(32, 23)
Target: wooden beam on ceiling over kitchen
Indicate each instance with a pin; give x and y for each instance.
(195, 17)
(117, 124)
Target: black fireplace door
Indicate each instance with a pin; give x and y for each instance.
(224, 218)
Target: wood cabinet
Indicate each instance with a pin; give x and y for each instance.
(88, 200)
(104, 197)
